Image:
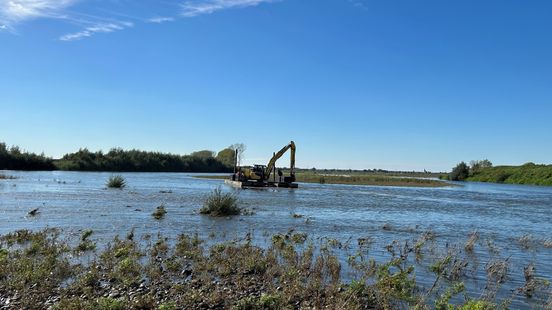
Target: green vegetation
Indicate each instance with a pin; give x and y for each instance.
(221, 204)
(367, 179)
(116, 181)
(159, 213)
(141, 161)
(483, 171)
(118, 160)
(371, 172)
(38, 271)
(460, 173)
(15, 159)
(529, 173)
(85, 244)
(227, 157)
(356, 179)
(477, 166)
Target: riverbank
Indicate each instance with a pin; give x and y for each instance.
(40, 270)
(530, 174)
(358, 179)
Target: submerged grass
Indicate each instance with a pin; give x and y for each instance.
(368, 180)
(7, 177)
(472, 240)
(357, 179)
(36, 272)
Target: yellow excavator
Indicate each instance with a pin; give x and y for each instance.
(259, 175)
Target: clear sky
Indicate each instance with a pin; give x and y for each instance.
(357, 84)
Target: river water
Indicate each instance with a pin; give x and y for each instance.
(501, 214)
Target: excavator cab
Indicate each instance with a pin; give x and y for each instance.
(255, 173)
(259, 170)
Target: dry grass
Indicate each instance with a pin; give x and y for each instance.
(526, 242)
(187, 273)
(472, 240)
(497, 271)
(7, 177)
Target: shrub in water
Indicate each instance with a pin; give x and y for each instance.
(116, 181)
(221, 204)
(159, 212)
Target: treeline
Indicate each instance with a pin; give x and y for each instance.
(119, 160)
(141, 161)
(14, 158)
(483, 171)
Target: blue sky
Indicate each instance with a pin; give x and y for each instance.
(357, 84)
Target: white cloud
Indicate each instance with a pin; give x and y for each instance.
(160, 20)
(195, 8)
(99, 28)
(16, 11)
(103, 19)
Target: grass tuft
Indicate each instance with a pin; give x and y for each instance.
(7, 177)
(470, 244)
(526, 241)
(116, 181)
(221, 204)
(159, 213)
(85, 245)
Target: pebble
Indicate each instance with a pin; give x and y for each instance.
(114, 294)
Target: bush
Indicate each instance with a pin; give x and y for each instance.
(221, 204)
(502, 177)
(116, 181)
(476, 166)
(159, 212)
(460, 173)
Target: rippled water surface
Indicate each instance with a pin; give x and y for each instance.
(501, 214)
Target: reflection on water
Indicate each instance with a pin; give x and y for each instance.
(499, 213)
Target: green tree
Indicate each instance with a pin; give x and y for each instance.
(227, 157)
(16, 159)
(203, 154)
(477, 165)
(460, 172)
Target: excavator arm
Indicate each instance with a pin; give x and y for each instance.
(272, 162)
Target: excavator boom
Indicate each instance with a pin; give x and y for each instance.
(272, 162)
